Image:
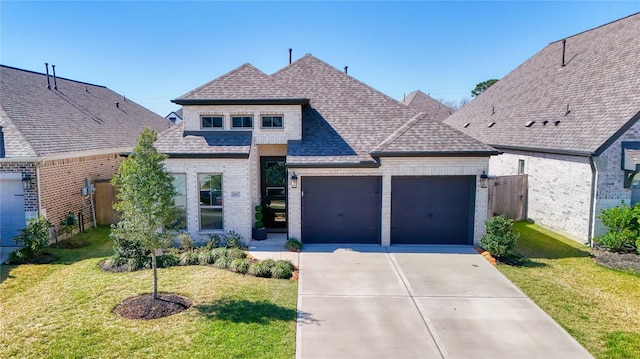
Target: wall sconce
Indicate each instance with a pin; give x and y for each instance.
(294, 180)
(484, 180)
(26, 181)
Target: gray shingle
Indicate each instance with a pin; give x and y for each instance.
(422, 102)
(596, 94)
(176, 142)
(77, 116)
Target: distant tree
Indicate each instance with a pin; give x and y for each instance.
(482, 87)
(453, 105)
(146, 200)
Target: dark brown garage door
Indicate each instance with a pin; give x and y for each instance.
(432, 210)
(341, 209)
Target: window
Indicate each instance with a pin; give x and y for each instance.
(210, 187)
(211, 121)
(520, 167)
(272, 121)
(242, 121)
(180, 200)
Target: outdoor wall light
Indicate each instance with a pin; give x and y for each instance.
(26, 181)
(484, 180)
(294, 180)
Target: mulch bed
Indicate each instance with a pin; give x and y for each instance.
(145, 307)
(628, 262)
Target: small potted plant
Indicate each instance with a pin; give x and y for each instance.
(259, 233)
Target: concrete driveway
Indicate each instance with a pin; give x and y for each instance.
(418, 302)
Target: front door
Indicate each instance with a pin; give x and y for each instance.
(273, 179)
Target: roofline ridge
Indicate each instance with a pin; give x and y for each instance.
(57, 77)
(227, 74)
(399, 132)
(296, 61)
(595, 28)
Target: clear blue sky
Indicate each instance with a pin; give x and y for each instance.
(153, 52)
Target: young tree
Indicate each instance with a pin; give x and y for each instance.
(146, 200)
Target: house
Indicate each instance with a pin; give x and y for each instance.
(330, 159)
(568, 119)
(422, 102)
(54, 134)
(175, 116)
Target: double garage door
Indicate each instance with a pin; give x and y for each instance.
(424, 210)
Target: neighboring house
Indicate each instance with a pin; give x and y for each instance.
(54, 133)
(568, 118)
(175, 116)
(331, 160)
(422, 102)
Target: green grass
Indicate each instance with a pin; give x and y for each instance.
(64, 310)
(598, 306)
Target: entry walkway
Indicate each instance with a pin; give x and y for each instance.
(418, 302)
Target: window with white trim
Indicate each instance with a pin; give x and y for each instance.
(272, 121)
(211, 121)
(210, 192)
(242, 121)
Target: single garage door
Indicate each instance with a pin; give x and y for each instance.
(341, 209)
(432, 209)
(12, 218)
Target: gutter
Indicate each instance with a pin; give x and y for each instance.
(592, 202)
(334, 165)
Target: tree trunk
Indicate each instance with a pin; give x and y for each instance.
(155, 274)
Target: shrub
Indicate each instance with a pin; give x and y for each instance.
(233, 239)
(222, 263)
(293, 244)
(186, 242)
(167, 260)
(624, 228)
(269, 263)
(259, 269)
(212, 242)
(500, 239)
(638, 245)
(282, 270)
(130, 253)
(218, 253)
(236, 253)
(34, 238)
(189, 258)
(206, 257)
(240, 265)
(620, 240)
(286, 264)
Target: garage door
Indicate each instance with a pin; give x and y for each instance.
(341, 209)
(432, 210)
(12, 219)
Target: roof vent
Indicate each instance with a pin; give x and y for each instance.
(564, 48)
(345, 69)
(466, 125)
(290, 51)
(493, 110)
(117, 104)
(568, 110)
(529, 124)
(55, 83)
(46, 64)
(491, 124)
(557, 122)
(544, 123)
(86, 89)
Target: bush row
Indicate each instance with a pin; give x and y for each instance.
(623, 223)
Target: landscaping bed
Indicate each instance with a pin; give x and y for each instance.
(628, 262)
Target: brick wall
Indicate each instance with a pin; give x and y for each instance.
(60, 181)
(559, 189)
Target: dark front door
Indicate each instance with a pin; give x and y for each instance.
(273, 178)
(432, 209)
(341, 209)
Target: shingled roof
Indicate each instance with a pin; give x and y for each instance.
(578, 107)
(76, 116)
(176, 143)
(422, 102)
(343, 120)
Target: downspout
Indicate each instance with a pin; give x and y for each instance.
(592, 202)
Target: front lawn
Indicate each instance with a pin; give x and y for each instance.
(64, 310)
(598, 306)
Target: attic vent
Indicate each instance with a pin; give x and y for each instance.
(568, 110)
(493, 110)
(544, 123)
(466, 125)
(491, 124)
(557, 122)
(529, 124)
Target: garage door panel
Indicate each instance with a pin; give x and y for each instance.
(341, 209)
(432, 210)
(12, 216)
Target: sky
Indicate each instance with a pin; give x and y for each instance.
(153, 52)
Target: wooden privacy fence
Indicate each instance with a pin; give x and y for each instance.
(508, 196)
(105, 198)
